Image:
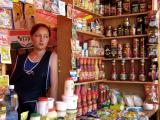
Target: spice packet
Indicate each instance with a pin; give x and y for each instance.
(4, 83)
(24, 115)
(5, 54)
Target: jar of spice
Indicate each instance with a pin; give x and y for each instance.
(109, 31)
(127, 50)
(120, 30)
(135, 6)
(143, 7)
(126, 7)
(115, 32)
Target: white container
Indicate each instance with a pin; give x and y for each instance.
(42, 106)
(50, 103)
(61, 113)
(61, 106)
(71, 101)
(69, 87)
(148, 106)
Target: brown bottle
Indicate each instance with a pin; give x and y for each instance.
(114, 75)
(142, 76)
(123, 71)
(132, 75)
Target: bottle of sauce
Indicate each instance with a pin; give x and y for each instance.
(132, 75)
(142, 76)
(123, 70)
(114, 75)
(89, 99)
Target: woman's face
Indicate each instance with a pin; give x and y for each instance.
(40, 38)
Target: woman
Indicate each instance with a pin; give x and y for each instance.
(36, 72)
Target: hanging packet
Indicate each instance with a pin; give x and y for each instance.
(6, 4)
(5, 54)
(39, 4)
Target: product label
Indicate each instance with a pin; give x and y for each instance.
(123, 76)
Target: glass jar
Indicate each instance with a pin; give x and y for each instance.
(135, 6)
(126, 7)
(115, 32)
(109, 31)
(127, 50)
(143, 7)
(120, 30)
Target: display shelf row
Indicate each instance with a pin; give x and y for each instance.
(111, 81)
(103, 58)
(109, 17)
(102, 37)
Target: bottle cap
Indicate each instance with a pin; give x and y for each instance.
(11, 87)
(42, 99)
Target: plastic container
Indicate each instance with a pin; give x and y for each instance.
(35, 116)
(71, 101)
(42, 106)
(61, 106)
(50, 103)
(69, 87)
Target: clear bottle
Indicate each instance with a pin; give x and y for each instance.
(11, 100)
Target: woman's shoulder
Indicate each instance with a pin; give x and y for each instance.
(53, 57)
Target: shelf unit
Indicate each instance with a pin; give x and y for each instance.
(125, 15)
(89, 82)
(123, 37)
(86, 11)
(126, 58)
(92, 34)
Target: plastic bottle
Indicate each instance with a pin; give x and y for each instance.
(11, 100)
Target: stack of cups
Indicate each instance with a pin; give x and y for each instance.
(70, 99)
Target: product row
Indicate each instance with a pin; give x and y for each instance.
(115, 7)
(93, 98)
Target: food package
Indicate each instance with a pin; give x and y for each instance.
(18, 17)
(129, 100)
(5, 19)
(6, 4)
(52, 5)
(137, 101)
(29, 16)
(38, 4)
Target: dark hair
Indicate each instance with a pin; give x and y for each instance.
(37, 26)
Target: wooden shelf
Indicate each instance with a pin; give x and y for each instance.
(125, 15)
(124, 37)
(92, 57)
(86, 11)
(126, 58)
(128, 82)
(90, 34)
(89, 82)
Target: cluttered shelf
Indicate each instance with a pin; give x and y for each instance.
(145, 58)
(86, 11)
(125, 15)
(123, 37)
(127, 82)
(90, 82)
(90, 34)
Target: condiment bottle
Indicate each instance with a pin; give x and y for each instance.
(123, 70)
(89, 100)
(126, 7)
(114, 75)
(35, 116)
(42, 106)
(127, 50)
(132, 72)
(142, 76)
(135, 6)
(135, 47)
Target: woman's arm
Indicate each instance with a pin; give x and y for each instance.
(54, 75)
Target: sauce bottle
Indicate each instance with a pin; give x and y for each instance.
(142, 76)
(132, 72)
(123, 70)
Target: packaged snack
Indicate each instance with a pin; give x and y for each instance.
(4, 83)
(129, 100)
(137, 101)
(5, 18)
(4, 37)
(52, 5)
(18, 17)
(29, 15)
(6, 4)
(5, 54)
(29, 1)
(39, 4)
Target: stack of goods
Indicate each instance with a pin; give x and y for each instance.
(70, 99)
(94, 26)
(126, 28)
(87, 69)
(49, 5)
